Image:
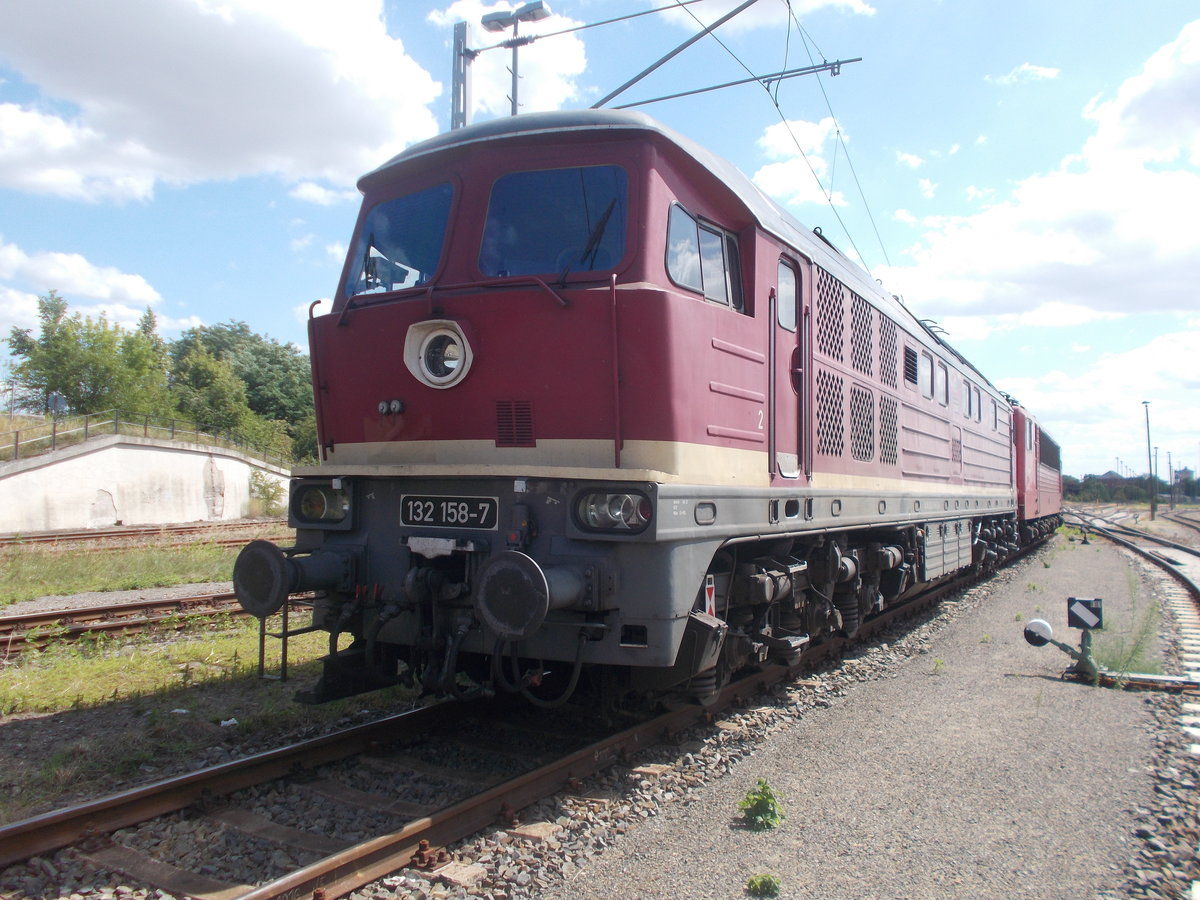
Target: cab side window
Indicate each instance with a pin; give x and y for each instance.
(926, 376)
(785, 296)
(703, 258)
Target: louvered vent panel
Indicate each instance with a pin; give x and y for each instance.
(862, 335)
(910, 365)
(862, 424)
(888, 451)
(887, 352)
(830, 315)
(830, 418)
(514, 423)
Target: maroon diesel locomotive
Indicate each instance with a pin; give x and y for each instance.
(594, 413)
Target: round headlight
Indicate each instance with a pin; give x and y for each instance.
(437, 353)
(318, 503)
(442, 355)
(621, 512)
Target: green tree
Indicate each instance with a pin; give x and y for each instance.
(208, 392)
(94, 364)
(277, 376)
(277, 379)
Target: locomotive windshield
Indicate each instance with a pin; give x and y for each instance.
(400, 245)
(555, 221)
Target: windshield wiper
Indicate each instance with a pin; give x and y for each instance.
(592, 247)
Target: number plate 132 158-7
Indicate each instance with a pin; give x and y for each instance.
(448, 512)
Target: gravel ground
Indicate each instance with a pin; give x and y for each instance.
(949, 761)
(966, 770)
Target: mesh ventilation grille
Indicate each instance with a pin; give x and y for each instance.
(830, 315)
(830, 403)
(888, 453)
(887, 352)
(862, 424)
(862, 335)
(514, 423)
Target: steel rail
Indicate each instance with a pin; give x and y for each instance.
(1126, 530)
(355, 867)
(81, 614)
(1180, 519)
(54, 830)
(350, 869)
(130, 531)
(116, 546)
(1166, 565)
(37, 629)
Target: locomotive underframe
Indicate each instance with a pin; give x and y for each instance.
(720, 578)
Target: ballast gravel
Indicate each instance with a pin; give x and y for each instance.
(952, 761)
(947, 760)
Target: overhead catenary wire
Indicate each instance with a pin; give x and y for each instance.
(765, 82)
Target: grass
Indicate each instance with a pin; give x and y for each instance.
(134, 708)
(31, 572)
(80, 675)
(1128, 643)
(82, 718)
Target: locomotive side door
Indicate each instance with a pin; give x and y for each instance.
(788, 373)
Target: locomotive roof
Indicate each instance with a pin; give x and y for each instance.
(771, 217)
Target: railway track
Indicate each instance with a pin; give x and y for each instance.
(1182, 563)
(35, 630)
(417, 781)
(122, 536)
(1182, 519)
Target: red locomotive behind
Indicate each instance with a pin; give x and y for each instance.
(595, 413)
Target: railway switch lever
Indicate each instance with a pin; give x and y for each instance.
(1085, 613)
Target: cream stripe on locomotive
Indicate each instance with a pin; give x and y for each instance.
(662, 462)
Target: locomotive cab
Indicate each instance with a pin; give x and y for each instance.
(594, 412)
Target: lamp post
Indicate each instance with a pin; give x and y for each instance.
(1150, 462)
(500, 21)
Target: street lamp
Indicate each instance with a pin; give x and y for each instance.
(1150, 463)
(501, 21)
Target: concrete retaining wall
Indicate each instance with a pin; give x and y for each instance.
(117, 479)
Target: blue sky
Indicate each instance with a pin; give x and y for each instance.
(1024, 173)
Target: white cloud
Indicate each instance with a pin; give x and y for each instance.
(311, 192)
(18, 309)
(91, 290)
(336, 251)
(1095, 410)
(909, 159)
(301, 89)
(1023, 73)
(1110, 229)
(903, 215)
(928, 188)
(797, 149)
(1154, 117)
(73, 275)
